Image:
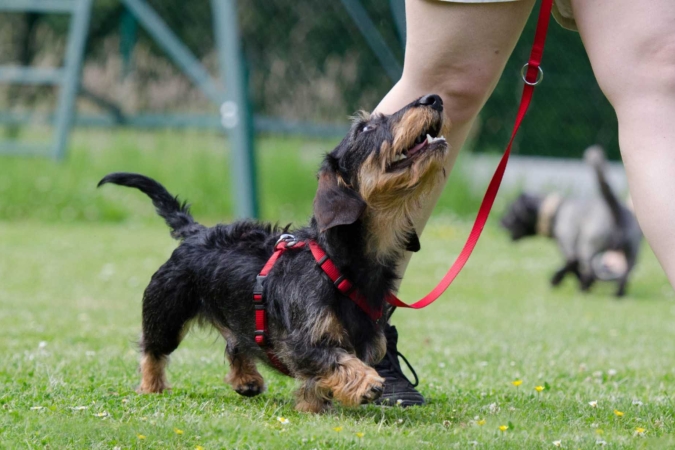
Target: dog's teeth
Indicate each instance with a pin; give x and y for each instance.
(431, 140)
(400, 157)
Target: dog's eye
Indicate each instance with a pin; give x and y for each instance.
(367, 128)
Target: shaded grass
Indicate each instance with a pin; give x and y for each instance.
(192, 164)
(70, 315)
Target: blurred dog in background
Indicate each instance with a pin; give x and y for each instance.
(599, 237)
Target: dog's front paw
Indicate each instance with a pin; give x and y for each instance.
(360, 386)
(374, 387)
(315, 406)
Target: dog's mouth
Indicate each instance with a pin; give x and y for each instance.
(429, 139)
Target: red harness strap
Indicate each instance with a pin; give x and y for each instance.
(285, 242)
(288, 242)
(341, 283)
(531, 77)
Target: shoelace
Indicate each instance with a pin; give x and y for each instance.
(394, 367)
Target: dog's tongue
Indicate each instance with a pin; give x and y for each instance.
(417, 148)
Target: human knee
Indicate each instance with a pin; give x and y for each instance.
(647, 68)
(463, 90)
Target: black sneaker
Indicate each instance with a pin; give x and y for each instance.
(398, 390)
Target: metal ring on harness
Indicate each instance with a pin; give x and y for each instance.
(289, 239)
(540, 75)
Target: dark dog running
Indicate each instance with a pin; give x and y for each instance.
(368, 187)
(586, 229)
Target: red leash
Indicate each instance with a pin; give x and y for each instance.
(532, 77)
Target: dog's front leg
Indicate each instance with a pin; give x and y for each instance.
(342, 376)
(352, 382)
(319, 355)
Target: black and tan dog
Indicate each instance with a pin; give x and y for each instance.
(368, 187)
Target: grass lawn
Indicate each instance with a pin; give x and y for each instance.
(70, 314)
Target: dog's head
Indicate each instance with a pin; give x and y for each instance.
(382, 168)
(521, 218)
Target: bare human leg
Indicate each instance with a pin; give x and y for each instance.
(456, 50)
(631, 46)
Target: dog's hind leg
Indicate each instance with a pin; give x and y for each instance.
(570, 266)
(631, 259)
(166, 313)
(243, 375)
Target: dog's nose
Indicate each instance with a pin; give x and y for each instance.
(433, 100)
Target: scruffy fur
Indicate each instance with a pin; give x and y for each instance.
(368, 186)
(585, 229)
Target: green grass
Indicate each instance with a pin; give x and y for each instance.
(74, 261)
(70, 314)
(192, 164)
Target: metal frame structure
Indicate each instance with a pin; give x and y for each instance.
(229, 92)
(67, 77)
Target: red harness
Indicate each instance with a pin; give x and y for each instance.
(532, 75)
(288, 242)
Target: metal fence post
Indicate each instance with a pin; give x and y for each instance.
(73, 66)
(128, 39)
(235, 111)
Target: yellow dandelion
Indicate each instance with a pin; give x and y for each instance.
(639, 431)
(599, 431)
(503, 427)
(338, 429)
(618, 413)
(481, 422)
(140, 436)
(199, 447)
(539, 388)
(360, 434)
(177, 431)
(517, 383)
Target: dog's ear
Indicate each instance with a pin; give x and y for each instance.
(335, 203)
(413, 244)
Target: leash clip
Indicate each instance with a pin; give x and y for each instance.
(288, 239)
(540, 75)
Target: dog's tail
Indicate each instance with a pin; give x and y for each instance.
(595, 156)
(176, 214)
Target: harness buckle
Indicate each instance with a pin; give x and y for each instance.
(288, 239)
(258, 287)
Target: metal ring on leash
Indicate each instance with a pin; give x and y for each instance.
(540, 75)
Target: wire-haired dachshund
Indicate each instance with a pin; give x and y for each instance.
(367, 188)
